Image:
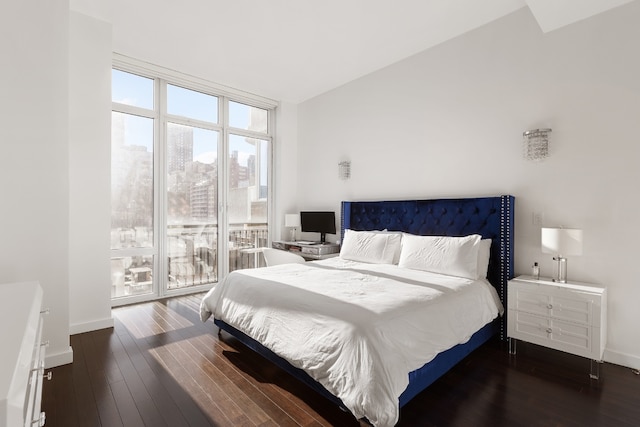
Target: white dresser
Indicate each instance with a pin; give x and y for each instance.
(21, 354)
(570, 317)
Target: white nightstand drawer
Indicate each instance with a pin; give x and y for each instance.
(528, 301)
(527, 326)
(570, 337)
(571, 307)
(555, 301)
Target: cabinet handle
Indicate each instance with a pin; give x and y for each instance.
(549, 330)
(48, 375)
(549, 306)
(40, 420)
(44, 343)
(45, 311)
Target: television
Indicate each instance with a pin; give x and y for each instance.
(318, 222)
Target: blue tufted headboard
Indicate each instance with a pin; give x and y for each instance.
(491, 217)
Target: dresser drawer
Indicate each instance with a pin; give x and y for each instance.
(582, 340)
(567, 305)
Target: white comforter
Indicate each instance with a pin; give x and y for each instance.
(356, 328)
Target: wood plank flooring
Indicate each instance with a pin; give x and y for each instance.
(161, 366)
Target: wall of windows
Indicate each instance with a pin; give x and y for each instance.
(190, 184)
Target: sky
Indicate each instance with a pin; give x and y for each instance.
(138, 91)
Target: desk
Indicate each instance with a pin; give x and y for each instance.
(309, 252)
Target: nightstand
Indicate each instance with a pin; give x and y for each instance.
(570, 317)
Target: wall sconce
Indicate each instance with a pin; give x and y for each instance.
(292, 221)
(344, 170)
(561, 242)
(536, 144)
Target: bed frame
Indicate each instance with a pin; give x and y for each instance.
(491, 217)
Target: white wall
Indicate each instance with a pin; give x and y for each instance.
(449, 122)
(34, 161)
(90, 54)
(285, 170)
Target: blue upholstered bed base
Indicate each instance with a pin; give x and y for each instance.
(491, 217)
(421, 378)
(418, 379)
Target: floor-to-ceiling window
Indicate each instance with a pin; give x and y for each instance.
(190, 187)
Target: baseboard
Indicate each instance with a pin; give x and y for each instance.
(59, 359)
(80, 328)
(622, 359)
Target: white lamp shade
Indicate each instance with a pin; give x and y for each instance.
(562, 241)
(292, 220)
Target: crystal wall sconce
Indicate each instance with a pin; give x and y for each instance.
(536, 144)
(344, 170)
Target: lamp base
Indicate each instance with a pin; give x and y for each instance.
(561, 276)
(292, 237)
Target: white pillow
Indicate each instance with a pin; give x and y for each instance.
(484, 253)
(455, 256)
(396, 255)
(370, 246)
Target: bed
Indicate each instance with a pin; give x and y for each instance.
(384, 345)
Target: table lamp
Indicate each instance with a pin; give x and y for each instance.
(292, 221)
(561, 242)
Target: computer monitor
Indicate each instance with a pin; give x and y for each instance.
(318, 222)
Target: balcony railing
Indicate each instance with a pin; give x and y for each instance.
(193, 252)
(192, 257)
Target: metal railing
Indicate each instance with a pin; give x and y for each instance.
(193, 252)
(192, 257)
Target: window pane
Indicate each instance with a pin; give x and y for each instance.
(131, 275)
(194, 105)
(248, 173)
(243, 116)
(131, 89)
(131, 181)
(192, 196)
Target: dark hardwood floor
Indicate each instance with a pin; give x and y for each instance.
(161, 366)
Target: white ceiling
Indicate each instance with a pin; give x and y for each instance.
(293, 50)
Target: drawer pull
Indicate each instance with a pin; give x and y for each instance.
(549, 330)
(48, 375)
(40, 420)
(45, 311)
(44, 343)
(549, 306)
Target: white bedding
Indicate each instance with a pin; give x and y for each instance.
(356, 328)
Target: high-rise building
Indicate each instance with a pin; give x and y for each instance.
(179, 147)
(203, 200)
